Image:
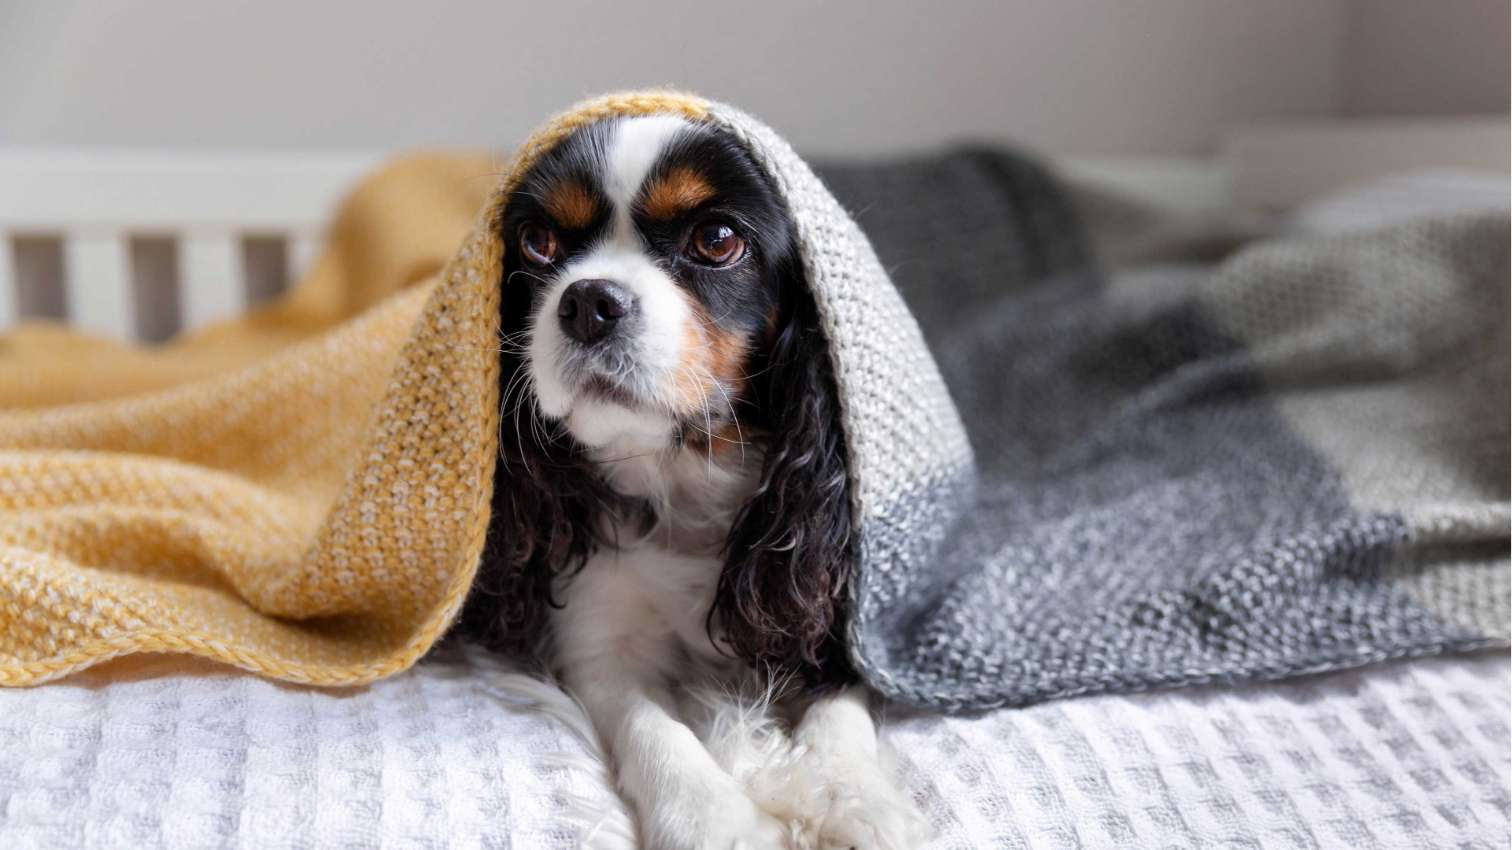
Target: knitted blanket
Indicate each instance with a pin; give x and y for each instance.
(1298, 464)
(1294, 461)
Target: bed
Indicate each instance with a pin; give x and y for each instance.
(466, 751)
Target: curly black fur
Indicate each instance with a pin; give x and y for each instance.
(781, 601)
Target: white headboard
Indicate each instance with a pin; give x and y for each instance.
(140, 245)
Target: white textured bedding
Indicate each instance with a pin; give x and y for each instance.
(460, 752)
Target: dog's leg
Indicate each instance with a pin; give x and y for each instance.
(838, 750)
(615, 654)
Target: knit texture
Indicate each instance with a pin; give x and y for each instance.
(1293, 461)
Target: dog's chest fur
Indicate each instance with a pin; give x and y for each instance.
(674, 567)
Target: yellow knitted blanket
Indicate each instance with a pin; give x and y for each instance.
(302, 492)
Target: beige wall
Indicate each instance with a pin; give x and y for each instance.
(1074, 76)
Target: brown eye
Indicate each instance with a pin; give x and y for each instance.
(716, 244)
(538, 243)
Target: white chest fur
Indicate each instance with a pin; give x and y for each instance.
(653, 590)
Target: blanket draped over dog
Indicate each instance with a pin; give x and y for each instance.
(1294, 464)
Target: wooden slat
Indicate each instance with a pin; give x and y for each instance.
(302, 248)
(9, 297)
(97, 284)
(211, 281)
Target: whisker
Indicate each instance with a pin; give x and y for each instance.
(734, 419)
(519, 438)
(530, 274)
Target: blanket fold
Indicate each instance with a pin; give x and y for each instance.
(1294, 462)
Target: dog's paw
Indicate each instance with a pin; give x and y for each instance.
(722, 818)
(865, 811)
(834, 802)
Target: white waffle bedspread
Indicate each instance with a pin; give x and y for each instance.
(461, 752)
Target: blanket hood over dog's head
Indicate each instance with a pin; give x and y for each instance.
(909, 461)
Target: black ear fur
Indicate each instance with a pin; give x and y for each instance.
(781, 600)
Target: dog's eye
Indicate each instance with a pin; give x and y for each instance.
(716, 243)
(538, 243)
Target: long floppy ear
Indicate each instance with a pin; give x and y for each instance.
(547, 503)
(782, 595)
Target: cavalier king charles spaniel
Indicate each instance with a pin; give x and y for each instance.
(671, 526)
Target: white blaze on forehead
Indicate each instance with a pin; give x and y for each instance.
(636, 145)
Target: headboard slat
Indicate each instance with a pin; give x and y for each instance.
(97, 283)
(303, 248)
(10, 298)
(211, 283)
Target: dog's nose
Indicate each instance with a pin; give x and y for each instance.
(591, 309)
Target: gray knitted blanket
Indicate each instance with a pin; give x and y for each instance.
(1296, 461)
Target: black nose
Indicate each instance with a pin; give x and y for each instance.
(591, 309)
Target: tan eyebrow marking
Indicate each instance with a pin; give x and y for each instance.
(674, 193)
(572, 205)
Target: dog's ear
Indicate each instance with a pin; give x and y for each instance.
(547, 503)
(781, 601)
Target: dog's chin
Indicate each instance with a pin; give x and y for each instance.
(606, 416)
(602, 424)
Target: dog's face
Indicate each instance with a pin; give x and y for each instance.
(654, 254)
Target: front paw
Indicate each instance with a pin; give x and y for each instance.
(721, 818)
(853, 805)
(868, 813)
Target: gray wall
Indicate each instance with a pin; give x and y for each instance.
(1074, 76)
(1411, 57)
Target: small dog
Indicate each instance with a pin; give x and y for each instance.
(672, 506)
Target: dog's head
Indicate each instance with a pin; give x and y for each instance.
(654, 253)
(654, 304)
